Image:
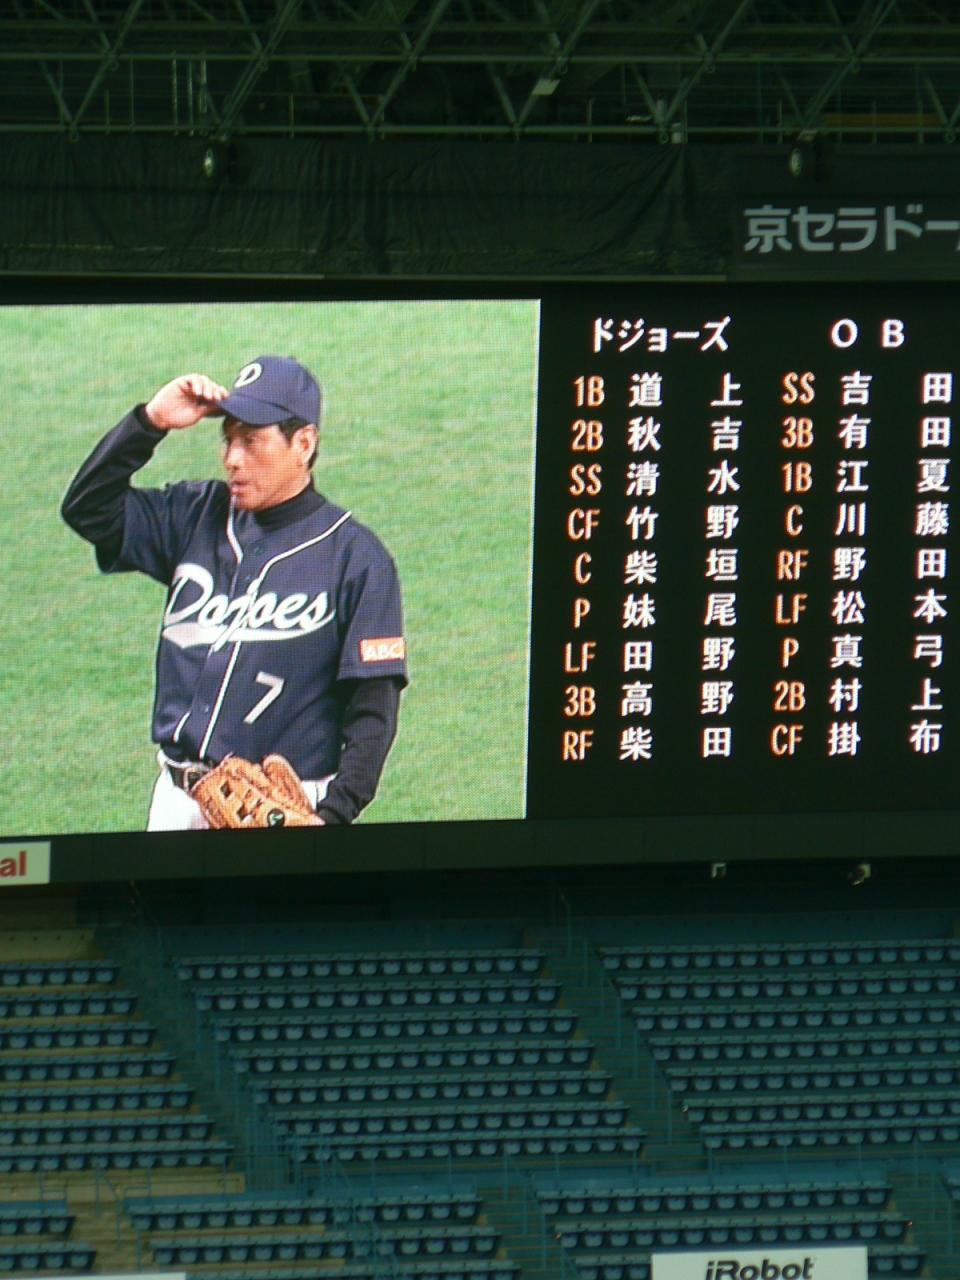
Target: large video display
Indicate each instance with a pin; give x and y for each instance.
(591, 553)
(426, 437)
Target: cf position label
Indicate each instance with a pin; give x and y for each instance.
(842, 1263)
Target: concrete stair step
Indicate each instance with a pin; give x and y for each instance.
(514, 1212)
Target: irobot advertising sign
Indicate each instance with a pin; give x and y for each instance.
(763, 1264)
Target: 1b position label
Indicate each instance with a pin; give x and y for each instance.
(744, 556)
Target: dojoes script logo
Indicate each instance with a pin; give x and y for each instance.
(195, 616)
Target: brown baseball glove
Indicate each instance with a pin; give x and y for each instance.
(240, 793)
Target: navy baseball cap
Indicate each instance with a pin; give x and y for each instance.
(271, 389)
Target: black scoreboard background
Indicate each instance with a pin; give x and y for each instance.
(744, 557)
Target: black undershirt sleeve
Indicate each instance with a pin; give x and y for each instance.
(95, 501)
(369, 726)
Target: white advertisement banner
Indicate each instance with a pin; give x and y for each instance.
(25, 862)
(840, 1263)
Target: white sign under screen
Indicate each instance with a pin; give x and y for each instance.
(26, 862)
(841, 1263)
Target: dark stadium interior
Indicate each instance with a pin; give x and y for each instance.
(563, 1049)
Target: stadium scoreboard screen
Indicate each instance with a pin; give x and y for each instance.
(666, 551)
(743, 554)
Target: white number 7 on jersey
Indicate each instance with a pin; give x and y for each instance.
(274, 689)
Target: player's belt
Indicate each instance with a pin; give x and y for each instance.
(186, 775)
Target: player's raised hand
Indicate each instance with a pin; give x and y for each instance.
(185, 401)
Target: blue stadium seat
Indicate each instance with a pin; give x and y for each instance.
(810, 1046)
(360, 964)
(66, 1004)
(778, 956)
(412, 1269)
(75, 1157)
(649, 988)
(226, 1212)
(790, 1016)
(428, 1024)
(81, 1098)
(20, 1133)
(57, 973)
(263, 997)
(80, 1035)
(107, 1065)
(467, 1145)
(311, 1090)
(331, 1244)
(45, 1257)
(763, 1078)
(464, 1054)
(32, 1218)
(706, 1198)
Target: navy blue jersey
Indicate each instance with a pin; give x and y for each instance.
(260, 624)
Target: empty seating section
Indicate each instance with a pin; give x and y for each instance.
(40, 1217)
(761, 1078)
(371, 964)
(74, 1035)
(760, 957)
(57, 973)
(401, 1086)
(34, 1236)
(612, 1230)
(373, 995)
(77, 1157)
(83, 1085)
(37, 1256)
(409, 1055)
(61, 1067)
(50, 1004)
(786, 1015)
(129, 1097)
(428, 1024)
(399, 1269)
(331, 1245)
(413, 1234)
(22, 1132)
(458, 1054)
(805, 1045)
(225, 1212)
(713, 1196)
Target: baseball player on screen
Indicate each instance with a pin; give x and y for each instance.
(282, 631)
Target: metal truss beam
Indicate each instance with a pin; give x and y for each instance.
(849, 64)
(287, 11)
(557, 66)
(410, 61)
(708, 62)
(108, 61)
(621, 68)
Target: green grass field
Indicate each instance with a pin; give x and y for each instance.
(428, 439)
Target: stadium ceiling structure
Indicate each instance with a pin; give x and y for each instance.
(666, 71)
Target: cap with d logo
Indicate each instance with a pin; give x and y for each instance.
(271, 389)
